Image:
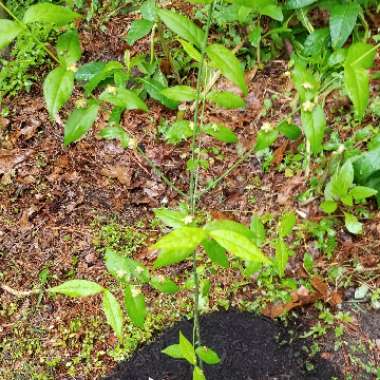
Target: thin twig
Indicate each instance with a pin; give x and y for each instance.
(19, 293)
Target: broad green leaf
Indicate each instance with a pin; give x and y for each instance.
(329, 206)
(182, 26)
(77, 288)
(190, 50)
(287, 222)
(174, 351)
(352, 224)
(154, 88)
(228, 64)
(305, 81)
(342, 22)
(187, 349)
(296, 4)
(360, 193)
(79, 122)
(171, 218)
(273, 11)
(342, 180)
(265, 139)
(258, 229)
(314, 124)
(255, 36)
(58, 87)
(178, 245)
(164, 285)
(180, 93)
(215, 252)
(308, 262)
(226, 99)
(139, 29)
(220, 132)
(114, 315)
(239, 245)
(226, 224)
(198, 374)
(125, 269)
(291, 131)
(49, 13)
(367, 165)
(316, 42)
(135, 305)
(87, 71)
(68, 47)
(179, 131)
(207, 355)
(122, 97)
(9, 30)
(356, 82)
(360, 55)
(251, 267)
(118, 133)
(148, 10)
(107, 71)
(281, 257)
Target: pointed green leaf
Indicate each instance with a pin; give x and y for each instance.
(291, 131)
(258, 229)
(265, 139)
(215, 252)
(58, 87)
(207, 355)
(226, 99)
(68, 47)
(9, 30)
(352, 224)
(77, 288)
(154, 88)
(174, 351)
(182, 26)
(296, 4)
(79, 122)
(187, 349)
(362, 192)
(114, 315)
(329, 206)
(198, 374)
(180, 93)
(135, 305)
(287, 222)
(220, 132)
(109, 133)
(49, 13)
(356, 82)
(281, 257)
(190, 50)
(314, 125)
(122, 97)
(228, 64)
(139, 29)
(164, 285)
(171, 218)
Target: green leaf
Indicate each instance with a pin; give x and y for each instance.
(164, 285)
(258, 229)
(68, 47)
(125, 269)
(174, 351)
(207, 355)
(179, 131)
(308, 262)
(107, 71)
(58, 87)
(281, 257)
(255, 36)
(180, 93)
(316, 42)
(329, 206)
(135, 305)
(367, 165)
(291, 131)
(187, 349)
(342, 180)
(190, 50)
(265, 139)
(220, 132)
(139, 29)
(360, 193)
(287, 222)
(154, 88)
(360, 55)
(148, 10)
(198, 374)
(228, 64)
(182, 26)
(113, 313)
(171, 218)
(225, 224)
(215, 252)
(352, 224)
(273, 11)
(296, 4)
(305, 81)
(342, 22)
(9, 30)
(79, 122)
(314, 124)
(49, 13)
(118, 133)
(226, 99)
(87, 71)
(239, 245)
(77, 288)
(178, 245)
(356, 82)
(122, 97)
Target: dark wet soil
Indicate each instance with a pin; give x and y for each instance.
(250, 347)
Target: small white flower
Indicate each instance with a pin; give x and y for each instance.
(111, 89)
(135, 292)
(191, 125)
(214, 127)
(132, 144)
(341, 149)
(139, 270)
(267, 127)
(73, 68)
(308, 106)
(81, 103)
(307, 86)
(188, 219)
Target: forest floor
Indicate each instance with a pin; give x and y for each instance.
(61, 207)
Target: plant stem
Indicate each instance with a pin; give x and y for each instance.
(48, 51)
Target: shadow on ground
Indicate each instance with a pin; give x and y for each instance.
(251, 348)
